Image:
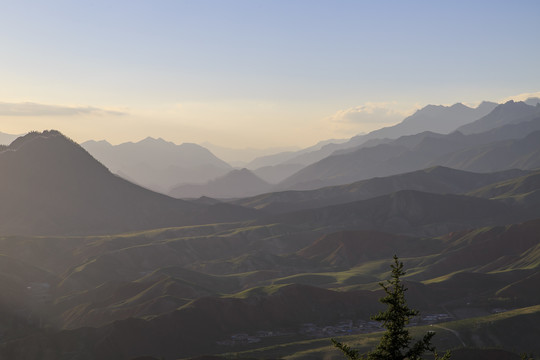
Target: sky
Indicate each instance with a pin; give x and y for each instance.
(253, 73)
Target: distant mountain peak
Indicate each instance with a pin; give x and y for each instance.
(507, 113)
(151, 140)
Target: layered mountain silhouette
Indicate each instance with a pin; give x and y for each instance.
(437, 179)
(518, 153)
(289, 157)
(51, 185)
(277, 173)
(240, 157)
(507, 113)
(237, 183)
(423, 150)
(158, 164)
(434, 118)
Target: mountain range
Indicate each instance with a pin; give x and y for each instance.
(414, 152)
(434, 118)
(436, 179)
(189, 170)
(93, 266)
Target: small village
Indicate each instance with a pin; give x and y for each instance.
(345, 327)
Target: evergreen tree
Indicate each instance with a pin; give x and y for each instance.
(396, 341)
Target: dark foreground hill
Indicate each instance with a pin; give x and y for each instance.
(50, 185)
(198, 326)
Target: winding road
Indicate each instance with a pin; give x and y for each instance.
(452, 331)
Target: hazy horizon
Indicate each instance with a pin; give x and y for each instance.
(255, 74)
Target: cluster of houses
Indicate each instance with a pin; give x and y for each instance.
(345, 327)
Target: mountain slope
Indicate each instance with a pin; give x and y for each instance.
(437, 179)
(277, 173)
(402, 155)
(507, 113)
(517, 188)
(51, 185)
(286, 156)
(518, 153)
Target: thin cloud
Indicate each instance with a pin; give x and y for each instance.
(34, 109)
(370, 113)
(522, 97)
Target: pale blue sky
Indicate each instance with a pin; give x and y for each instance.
(255, 73)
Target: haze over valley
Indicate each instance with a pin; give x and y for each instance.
(296, 180)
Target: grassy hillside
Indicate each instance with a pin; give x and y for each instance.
(166, 290)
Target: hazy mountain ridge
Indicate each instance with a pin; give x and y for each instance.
(277, 173)
(158, 164)
(508, 113)
(520, 153)
(292, 157)
(434, 118)
(419, 151)
(146, 170)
